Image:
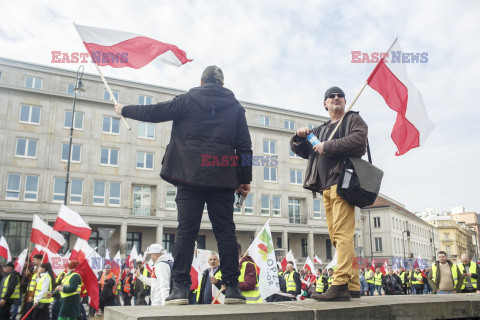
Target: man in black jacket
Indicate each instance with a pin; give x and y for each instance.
(208, 157)
(293, 282)
(10, 289)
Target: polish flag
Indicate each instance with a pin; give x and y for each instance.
(317, 260)
(384, 268)
(41, 232)
(20, 261)
(149, 266)
(116, 263)
(38, 250)
(90, 281)
(412, 126)
(216, 293)
(132, 258)
(288, 257)
(107, 257)
(5, 250)
(71, 221)
(372, 267)
(195, 272)
(120, 49)
(309, 265)
(81, 250)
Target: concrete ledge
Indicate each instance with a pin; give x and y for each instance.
(455, 306)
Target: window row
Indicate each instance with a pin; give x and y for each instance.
(287, 124)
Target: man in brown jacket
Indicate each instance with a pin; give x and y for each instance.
(445, 276)
(322, 175)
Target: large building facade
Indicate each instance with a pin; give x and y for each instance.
(114, 173)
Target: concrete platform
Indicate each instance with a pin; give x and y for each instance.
(454, 306)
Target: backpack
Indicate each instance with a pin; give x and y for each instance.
(170, 264)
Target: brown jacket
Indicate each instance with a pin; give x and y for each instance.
(352, 142)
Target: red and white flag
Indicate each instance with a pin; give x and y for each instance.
(289, 257)
(120, 49)
(384, 268)
(195, 272)
(5, 250)
(20, 262)
(317, 260)
(413, 125)
(372, 266)
(132, 258)
(219, 295)
(309, 265)
(81, 250)
(41, 232)
(71, 221)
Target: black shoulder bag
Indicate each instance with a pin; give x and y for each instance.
(359, 181)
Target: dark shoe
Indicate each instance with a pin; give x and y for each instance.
(179, 295)
(233, 295)
(355, 294)
(334, 293)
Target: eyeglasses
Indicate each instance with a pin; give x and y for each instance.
(333, 95)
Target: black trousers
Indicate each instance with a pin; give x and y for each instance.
(190, 202)
(127, 300)
(5, 310)
(41, 312)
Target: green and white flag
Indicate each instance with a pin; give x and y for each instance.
(263, 254)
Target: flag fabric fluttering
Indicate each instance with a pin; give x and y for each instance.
(4, 249)
(289, 257)
(90, 282)
(20, 261)
(263, 254)
(384, 268)
(309, 265)
(333, 263)
(217, 294)
(195, 273)
(132, 258)
(120, 49)
(116, 264)
(70, 221)
(390, 80)
(317, 260)
(43, 234)
(81, 250)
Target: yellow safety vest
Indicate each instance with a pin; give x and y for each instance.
(16, 292)
(145, 274)
(291, 285)
(454, 274)
(415, 276)
(39, 288)
(369, 273)
(33, 282)
(319, 285)
(217, 275)
(471, 269)
(330, 281)
(252, 296)
(402, 277)
(66, 282)
(378, 279)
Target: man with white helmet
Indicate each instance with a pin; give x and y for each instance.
(160, 280)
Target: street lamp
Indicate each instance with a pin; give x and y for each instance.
(78, 88)
(403, 243)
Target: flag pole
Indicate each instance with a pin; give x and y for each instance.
(218, 295)
(358, 95)
(110, 92)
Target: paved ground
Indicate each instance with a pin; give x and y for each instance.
(455, 306)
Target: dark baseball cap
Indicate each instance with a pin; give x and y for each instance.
(333, 90)
(212, 74)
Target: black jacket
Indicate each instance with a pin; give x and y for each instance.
(209, 130)
(298, 282)
(13, 281)
(391, 284)
(204, 279)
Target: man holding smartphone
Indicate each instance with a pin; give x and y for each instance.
(208, 124)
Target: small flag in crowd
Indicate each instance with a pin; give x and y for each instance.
(384, 268)
(413, 126)
(20, 262)
(41, 233)
(70, 221)
(309, 265)
(120, 49)
(289, 257)
(132, 258)
(317, 260)
(4, 249)
(332, 264)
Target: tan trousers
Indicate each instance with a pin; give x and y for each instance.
(341, 227)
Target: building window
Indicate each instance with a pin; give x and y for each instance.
(33, 82)
(248, 203)
(109, 157)
(144, 160)
(376, 222)
(265, 205)
(168, 241)
(311, 126)
(13, 186)
(26, 148)
(317, 208)
(304, 247)
(115, 195)
(269, 146)
(144, 100)
(279, 243)
(296, 176)
(141, 200)
(270, 174)
(71, 89)
(76, 191)
(111, 125)
(447, 236)
(134, 239)
(75, 156)
(264, 120)
(31, 188)
(171, 194)
(276, 201)
(146, 130)
(106, 95)
(378, 244)
(293, 154)
(17, 234)
(99, 193)
(29, 114)
(59, 190)
(289, 124)
(201, 240)
(294, 210)
(77, 120)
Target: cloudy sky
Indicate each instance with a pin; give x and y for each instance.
(287, 53)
